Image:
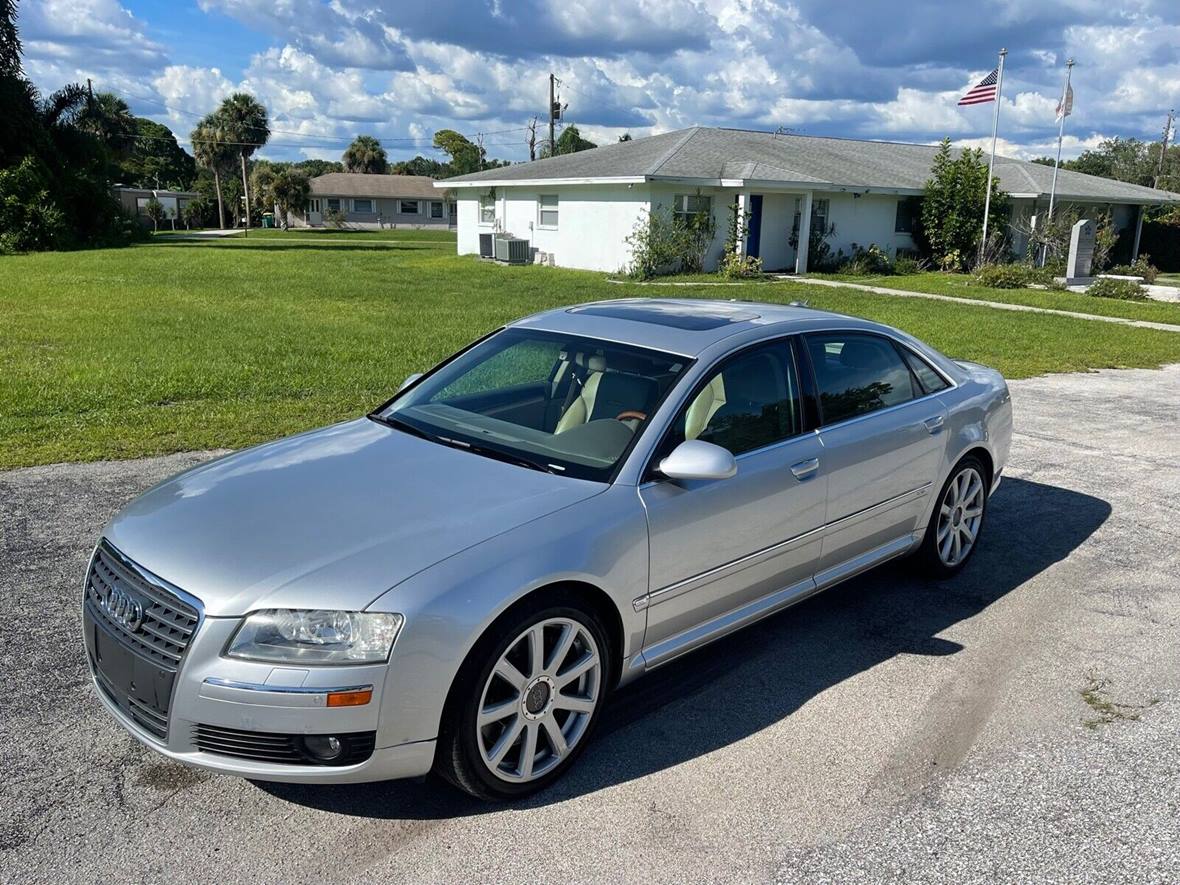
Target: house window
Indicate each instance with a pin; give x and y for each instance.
(333, 204)
(313, 205)
(436, 209)
(685, 207)
(909, 212)
(487, 209)
(363, 205)
(819, 216)
(547, 210)
(407, 207)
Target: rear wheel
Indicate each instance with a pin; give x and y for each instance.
(957, 520)
(525, 701)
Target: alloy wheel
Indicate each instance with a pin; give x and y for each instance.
(959, 517)
(539, 700)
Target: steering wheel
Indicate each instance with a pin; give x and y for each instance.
(629, 414)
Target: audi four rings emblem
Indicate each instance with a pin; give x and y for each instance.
(124, 608)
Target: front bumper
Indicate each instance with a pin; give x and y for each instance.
(210, 690)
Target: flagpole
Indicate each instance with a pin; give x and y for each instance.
(987, 201)
(1060, 135)
(1057, 165)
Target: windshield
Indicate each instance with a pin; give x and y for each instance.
(554, 402)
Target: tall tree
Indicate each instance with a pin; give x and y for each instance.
(419, 166)
(365, 154)
(10, 47)
(245, 123)
(212, 152)
(952, 209)
(465, 156)
(290, 189)
(315, 168)
(156, 159)
(108, 118)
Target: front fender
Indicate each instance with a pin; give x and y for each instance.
(601, 541)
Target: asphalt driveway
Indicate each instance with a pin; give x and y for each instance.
(1017, 723)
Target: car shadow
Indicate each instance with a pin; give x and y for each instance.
(746, 682)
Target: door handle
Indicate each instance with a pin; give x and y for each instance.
(935, 424)
(804, 469)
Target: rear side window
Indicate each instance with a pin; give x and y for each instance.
(930, 380)
(857, 374)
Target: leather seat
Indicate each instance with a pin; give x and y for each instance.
(580, 408)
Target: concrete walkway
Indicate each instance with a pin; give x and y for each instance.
(998, 305)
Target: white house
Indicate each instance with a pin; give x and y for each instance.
(580, 208)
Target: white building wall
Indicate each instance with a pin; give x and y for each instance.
(865, 220)
(593, 224)
(778, 217)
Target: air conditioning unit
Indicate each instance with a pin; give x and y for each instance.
(485, 246)
(512, 250)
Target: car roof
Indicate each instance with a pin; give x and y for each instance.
(684, 326)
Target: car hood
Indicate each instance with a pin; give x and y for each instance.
(328, 519)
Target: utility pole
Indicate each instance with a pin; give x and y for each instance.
(479, 149)
(89, 95)
(553, 111)
(1159, 172)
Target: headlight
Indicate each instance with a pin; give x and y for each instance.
(287, 636)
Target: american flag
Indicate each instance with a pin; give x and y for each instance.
(984, 92)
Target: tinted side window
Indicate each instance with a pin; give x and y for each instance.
(751, 401)
(930, 380)
(857, 374)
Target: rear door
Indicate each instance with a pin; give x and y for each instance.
(882, 444)
(716, 545)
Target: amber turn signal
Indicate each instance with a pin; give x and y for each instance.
(350, 698)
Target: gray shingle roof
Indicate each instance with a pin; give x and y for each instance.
(713, 154)
(360, 184)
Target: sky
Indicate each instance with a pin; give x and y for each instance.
(401, 69)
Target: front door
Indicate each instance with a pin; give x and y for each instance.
(718, 545)
(754, 234)
(883, 442)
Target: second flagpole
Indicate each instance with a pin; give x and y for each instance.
(1063, 109)
(987, 200)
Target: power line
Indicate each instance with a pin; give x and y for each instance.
(288, 132)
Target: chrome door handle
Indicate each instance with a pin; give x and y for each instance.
(804, 469)
(935, 424)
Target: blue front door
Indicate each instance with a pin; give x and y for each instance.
(754, 236)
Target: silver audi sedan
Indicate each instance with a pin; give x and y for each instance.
(456, 582)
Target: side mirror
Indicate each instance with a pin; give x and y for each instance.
(410, 379)
(696, 459)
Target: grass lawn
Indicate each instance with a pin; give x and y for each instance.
(1168, 279)
(962, 286)
(177, 345)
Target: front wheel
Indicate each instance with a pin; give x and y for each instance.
(525, 702)
(955, 524)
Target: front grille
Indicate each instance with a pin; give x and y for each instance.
(262, 746)
(168, 621)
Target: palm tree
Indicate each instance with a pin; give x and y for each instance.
(245, 123)
(108, 118)
(290, 188)
(365, 154)
(213, 153)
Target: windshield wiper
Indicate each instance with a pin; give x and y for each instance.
(405, 426)
(496, 454)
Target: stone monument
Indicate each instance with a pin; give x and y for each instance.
(1081, 252)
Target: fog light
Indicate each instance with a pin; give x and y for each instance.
(324, 747)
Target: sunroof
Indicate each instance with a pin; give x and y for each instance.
(690, 317)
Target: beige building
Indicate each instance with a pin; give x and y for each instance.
(134, 201)
(359, 200)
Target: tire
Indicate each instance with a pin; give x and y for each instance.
(952, 539)
(501, 680)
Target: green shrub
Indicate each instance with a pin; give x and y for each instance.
(908, 264)
(739, 267)
(30, 220)
(1004, 276)
(867, 262)
(661, 244)
(1141, 267)
(1123, 290)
